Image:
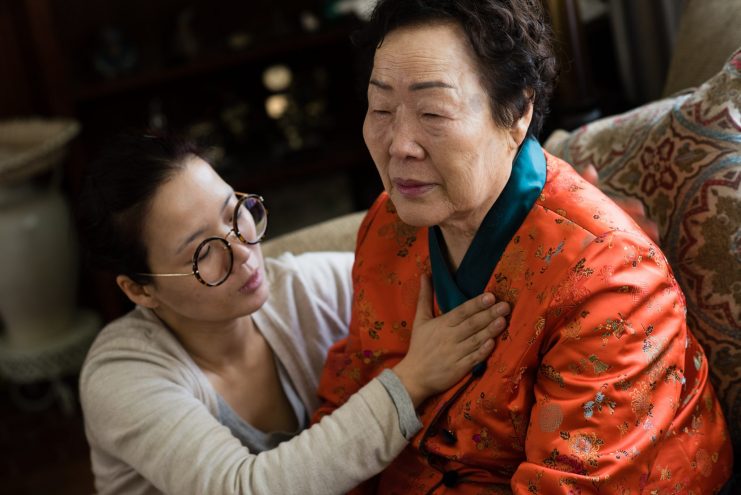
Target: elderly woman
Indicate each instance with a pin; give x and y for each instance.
(597, 386)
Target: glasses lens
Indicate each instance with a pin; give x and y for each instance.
(214, 261)
(251, 219)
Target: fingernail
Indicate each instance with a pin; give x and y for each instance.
(488, 298)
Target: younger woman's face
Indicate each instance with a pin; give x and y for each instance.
(193, 205)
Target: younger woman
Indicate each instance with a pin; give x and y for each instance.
(205, 386)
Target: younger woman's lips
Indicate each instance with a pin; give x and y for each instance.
(253, 282)
(412, 188)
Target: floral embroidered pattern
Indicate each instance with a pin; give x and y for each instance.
(600, 401)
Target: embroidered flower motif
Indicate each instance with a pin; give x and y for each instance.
(573, 330)
(623, 428)
(600, 401)
(550, 417)
(653, 347)
(402, 329)
(481, 439)
(632, 256)
(672, 374)
(368, 356)
(640, 400)
(404, 235)
(599, 366)
(666, 473)
(552, 374)
(615, 327)
(585, 446)
(703, 462)
(565, 463)
(697, 360)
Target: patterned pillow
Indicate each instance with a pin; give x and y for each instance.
(681, 157)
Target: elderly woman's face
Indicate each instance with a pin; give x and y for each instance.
(429, 128)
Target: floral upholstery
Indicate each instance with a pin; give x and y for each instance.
(681, 157)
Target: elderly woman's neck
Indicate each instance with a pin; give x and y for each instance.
(458, 239)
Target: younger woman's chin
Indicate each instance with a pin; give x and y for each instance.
(256, 299)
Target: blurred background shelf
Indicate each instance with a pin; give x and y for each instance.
(204, 65)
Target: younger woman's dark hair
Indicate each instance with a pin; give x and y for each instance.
(116, 195)
(511, 39)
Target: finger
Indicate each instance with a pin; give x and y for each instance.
(498, 326)
(475, 340)
(480, 354)
(590, 174)
(651, 228)
(633, 207)
(480, 321)
(503, 308)
(424, 301)
(470, 308)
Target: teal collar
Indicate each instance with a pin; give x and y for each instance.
(499, 226)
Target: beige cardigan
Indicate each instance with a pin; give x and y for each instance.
(150, 413)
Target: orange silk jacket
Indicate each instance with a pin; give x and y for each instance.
(597, 386)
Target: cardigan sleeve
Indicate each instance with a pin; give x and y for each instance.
(612, 375)
(139, 411)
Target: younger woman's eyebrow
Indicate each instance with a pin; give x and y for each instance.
(201, 231)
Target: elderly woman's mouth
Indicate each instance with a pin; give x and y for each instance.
(412, 188)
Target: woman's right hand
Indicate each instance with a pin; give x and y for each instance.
(443, 349)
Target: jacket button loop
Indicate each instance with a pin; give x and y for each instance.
(479, 369)
(449, 437)
(451, 478)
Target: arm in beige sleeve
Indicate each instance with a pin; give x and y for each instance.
(162, 431)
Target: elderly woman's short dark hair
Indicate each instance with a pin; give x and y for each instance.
(512, 41)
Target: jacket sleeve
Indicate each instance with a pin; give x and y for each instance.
(344, 371)
(612, 373)
(139, 411)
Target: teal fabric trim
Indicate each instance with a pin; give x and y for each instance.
(499, 226)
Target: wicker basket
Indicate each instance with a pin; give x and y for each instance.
(31, 146)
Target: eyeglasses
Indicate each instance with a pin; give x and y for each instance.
(213, 259)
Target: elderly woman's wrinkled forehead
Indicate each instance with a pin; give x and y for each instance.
(430, 56)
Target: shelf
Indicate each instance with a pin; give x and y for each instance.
(275, 48)
(312, 164)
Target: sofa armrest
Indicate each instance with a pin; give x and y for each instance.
(337, 234)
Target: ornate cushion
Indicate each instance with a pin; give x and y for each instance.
(681, 157)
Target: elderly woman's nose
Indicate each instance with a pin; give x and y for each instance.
(404, 142)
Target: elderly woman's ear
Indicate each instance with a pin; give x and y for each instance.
(519, 128)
